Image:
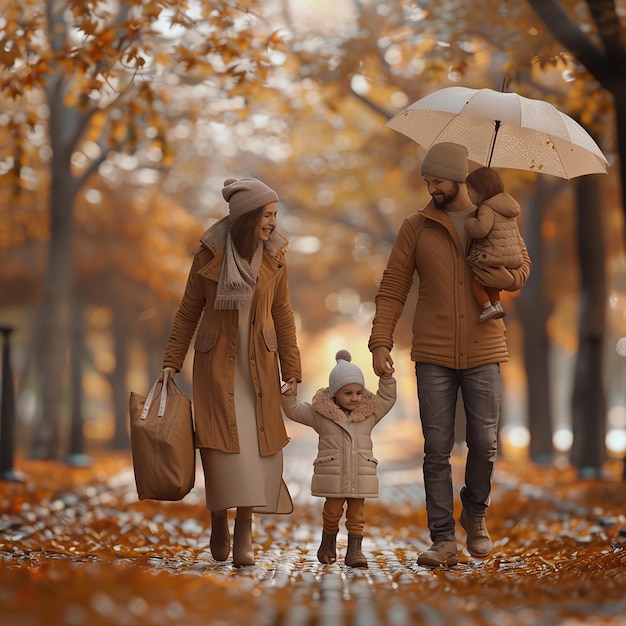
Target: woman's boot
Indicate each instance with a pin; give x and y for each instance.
(327, 552)
(242, 538)
(354, 556)
(220, 535)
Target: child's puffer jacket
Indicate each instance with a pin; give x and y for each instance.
(345, 466)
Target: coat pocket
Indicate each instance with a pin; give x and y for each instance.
(367, 464)
(327, 464)
(271, 341)
(205, 341)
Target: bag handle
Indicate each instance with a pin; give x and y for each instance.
(167, 382)
(151, 394)
(163, 402)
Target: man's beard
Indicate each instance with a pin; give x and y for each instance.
(447, 199)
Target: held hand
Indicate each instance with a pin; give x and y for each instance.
(382, 362)
(290, 388)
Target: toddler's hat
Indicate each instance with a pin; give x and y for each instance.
(344, 373)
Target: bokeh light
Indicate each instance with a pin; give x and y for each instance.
(616, 442)
(562, 439)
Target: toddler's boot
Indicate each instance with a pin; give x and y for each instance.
(354, 555)
(327, 552)
(488, 313)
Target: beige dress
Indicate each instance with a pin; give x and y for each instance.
(246, 479)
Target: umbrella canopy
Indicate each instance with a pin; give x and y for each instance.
(502, 130)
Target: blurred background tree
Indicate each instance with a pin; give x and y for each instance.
(97, 81)
(296, 93)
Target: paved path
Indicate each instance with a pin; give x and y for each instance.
(96, 556)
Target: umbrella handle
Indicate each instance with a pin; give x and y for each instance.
(493, 141)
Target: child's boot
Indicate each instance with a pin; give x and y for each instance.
(354, 555)
(327, 552)
(488, 313)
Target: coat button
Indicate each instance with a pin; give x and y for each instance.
(262, 429)
(260, 394)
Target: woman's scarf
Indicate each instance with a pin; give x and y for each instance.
(238, 277)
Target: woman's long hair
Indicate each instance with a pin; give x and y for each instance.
(243, 232)
(485, 181)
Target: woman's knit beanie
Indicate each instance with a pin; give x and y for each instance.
(246, 194)
(447, 161)
(344, 373)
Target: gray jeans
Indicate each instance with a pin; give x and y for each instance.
(437, 391)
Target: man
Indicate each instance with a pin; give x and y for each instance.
(451, 348)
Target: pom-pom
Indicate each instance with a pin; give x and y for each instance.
(343, 355)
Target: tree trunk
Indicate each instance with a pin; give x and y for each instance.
(603, 59)
(535, 312)
(589, 402)
(77, 455)
(65, 126)
(52, 337)
(120, 439)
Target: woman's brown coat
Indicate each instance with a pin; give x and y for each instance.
(273, 350)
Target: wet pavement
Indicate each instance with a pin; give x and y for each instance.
(90, 553)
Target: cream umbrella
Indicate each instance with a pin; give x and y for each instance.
(502, 130)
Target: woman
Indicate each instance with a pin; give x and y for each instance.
(246, 341)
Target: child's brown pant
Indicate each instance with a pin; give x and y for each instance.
(485, 294)
(355, 515)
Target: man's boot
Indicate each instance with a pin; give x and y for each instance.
(479, 542)
(242, 538)
(220, 535)
(327, 552)
(354, 556)
(440, 554)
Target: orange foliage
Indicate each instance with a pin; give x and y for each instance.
(76, 543)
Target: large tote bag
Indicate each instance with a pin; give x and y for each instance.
(161, 435)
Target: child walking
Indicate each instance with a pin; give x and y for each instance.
(495, 233)
(344, 472)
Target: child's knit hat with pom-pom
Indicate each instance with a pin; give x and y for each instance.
(344, 373)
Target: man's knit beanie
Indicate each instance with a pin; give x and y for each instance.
(447, 161)
(246, 194)
(344, 373)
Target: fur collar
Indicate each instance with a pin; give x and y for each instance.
(324, 404)
(215, 239)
